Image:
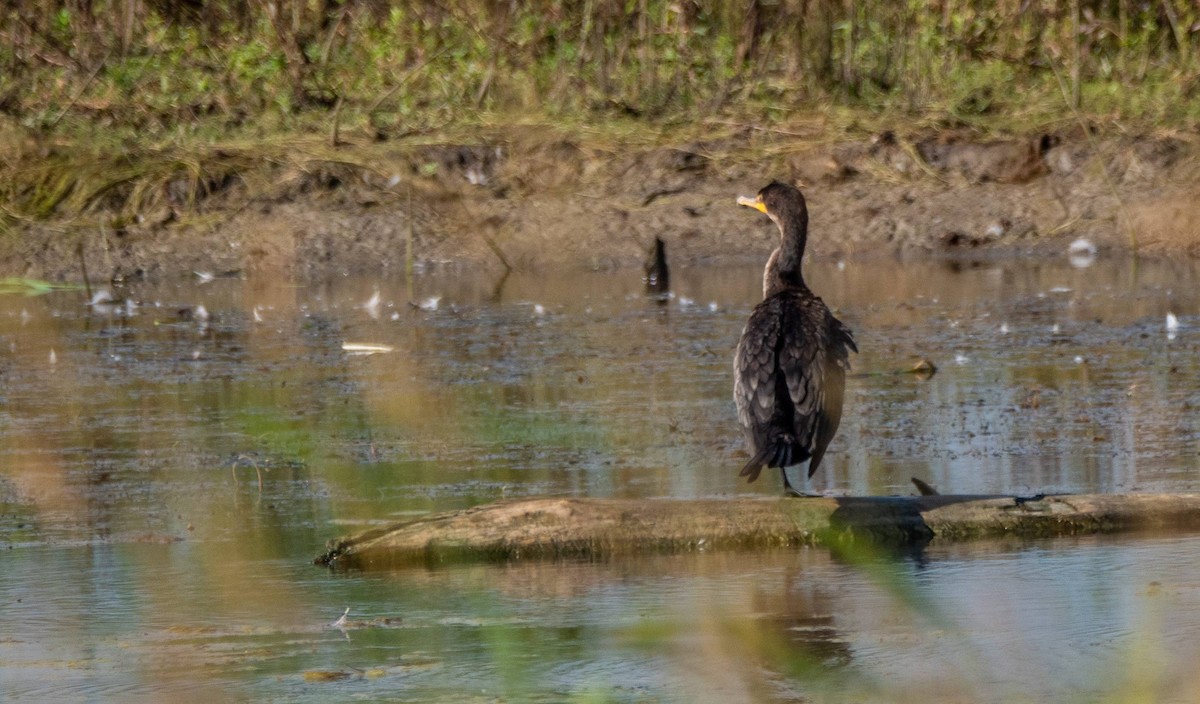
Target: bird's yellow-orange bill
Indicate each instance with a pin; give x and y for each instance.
(752, 203)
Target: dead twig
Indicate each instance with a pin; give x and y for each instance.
(337, 114)
(496, 250)
(404, 79)
(82, 89)
(250, 460)
(660, 193)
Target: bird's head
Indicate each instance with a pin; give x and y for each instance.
(779, 201)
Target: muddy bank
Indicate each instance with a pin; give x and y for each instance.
(519, 199)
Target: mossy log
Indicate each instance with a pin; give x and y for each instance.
(596, 528)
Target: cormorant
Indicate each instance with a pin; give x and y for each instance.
(658, 277)
(789, 373)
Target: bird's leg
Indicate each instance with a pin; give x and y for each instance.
(789, 490)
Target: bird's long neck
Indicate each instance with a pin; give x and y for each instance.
(793, 236)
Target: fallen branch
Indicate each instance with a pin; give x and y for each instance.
(596, 528)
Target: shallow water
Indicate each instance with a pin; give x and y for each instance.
(142, 558)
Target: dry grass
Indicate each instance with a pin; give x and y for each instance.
(117, 109)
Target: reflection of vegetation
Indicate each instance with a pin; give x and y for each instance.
(283, 439)
(32, 287)
(530, 423)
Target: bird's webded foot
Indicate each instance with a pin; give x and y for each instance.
(790, 492)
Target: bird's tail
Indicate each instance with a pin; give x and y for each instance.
(754, 467)
(779, 452)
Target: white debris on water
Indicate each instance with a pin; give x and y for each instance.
(1082, 246)
(365, 348)
(1081, 253)
(476, 176)
(101, 297)
(372, 305)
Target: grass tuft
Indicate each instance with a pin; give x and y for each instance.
(126, 107)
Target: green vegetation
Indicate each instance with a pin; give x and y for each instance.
(108, 82)
(164, 68)
(31, 287)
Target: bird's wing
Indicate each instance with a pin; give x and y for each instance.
(832, 366)
(754, 373)
(830, 415)
(802, 354)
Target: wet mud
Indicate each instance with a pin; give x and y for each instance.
(519, 200)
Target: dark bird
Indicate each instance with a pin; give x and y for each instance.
(789, 373)
(658, 277)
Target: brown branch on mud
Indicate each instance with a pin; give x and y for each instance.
(496, 250)
(597, 528)
(660, 193)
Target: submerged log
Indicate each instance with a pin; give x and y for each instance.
(596, 528)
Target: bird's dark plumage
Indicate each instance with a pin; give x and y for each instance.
(790, 367)
(658, 276)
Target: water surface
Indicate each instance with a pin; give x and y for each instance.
(144, 559)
